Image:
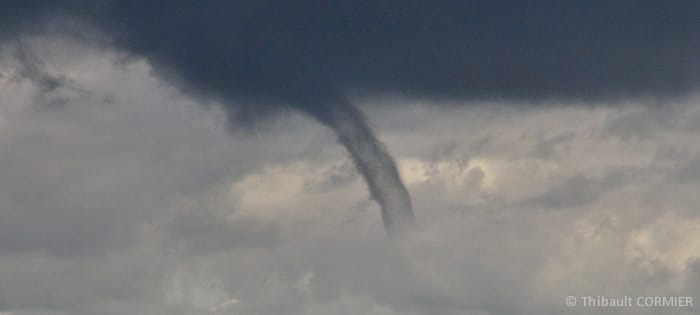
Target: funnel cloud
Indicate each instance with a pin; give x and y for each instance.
(372, 161)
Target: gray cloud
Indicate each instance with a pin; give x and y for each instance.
(263, 57)
(146, 204)
(277, 51)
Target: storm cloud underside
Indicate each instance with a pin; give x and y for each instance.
(275, 50)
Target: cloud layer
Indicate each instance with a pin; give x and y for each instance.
(261, 57)
(120, 194)
(273, 52)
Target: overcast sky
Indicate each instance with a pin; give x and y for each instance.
(120, 194)
(140, 179)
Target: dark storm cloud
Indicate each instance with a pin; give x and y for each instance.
(307, 54)
(443, 48)
(283, 50)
